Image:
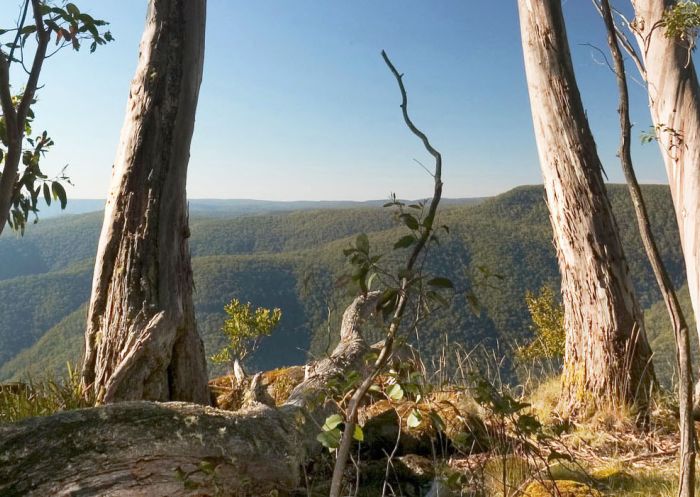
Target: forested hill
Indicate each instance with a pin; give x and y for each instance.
(292, 260)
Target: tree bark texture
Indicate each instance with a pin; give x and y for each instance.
(674, 101)
(141, 338)
(686, 483)
(176, 449)
(607, 354)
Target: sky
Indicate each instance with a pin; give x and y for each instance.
(297, 104)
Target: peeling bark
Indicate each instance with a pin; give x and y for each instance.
(141, 340)
(607, 354)
(674, 102)
(149, 449)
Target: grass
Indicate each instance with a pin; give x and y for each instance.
(42, 397)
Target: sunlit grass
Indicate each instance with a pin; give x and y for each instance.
(42, 397)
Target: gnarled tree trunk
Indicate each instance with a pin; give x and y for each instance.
(607, 354)
(141, 338)
(176, 449)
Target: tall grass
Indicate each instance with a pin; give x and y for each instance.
(42, 397)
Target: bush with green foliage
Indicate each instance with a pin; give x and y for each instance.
(244, 328)
(547, 324)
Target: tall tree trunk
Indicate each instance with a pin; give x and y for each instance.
(686, 484)
(674, 101)
(141, 339)
(607, 354)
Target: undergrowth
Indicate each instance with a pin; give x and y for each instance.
(42, 397)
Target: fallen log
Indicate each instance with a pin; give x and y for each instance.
(179, 449)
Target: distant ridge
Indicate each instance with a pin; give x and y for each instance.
(237, 207)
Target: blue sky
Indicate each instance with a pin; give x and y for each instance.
(296, 102)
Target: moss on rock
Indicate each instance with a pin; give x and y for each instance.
(567, 488)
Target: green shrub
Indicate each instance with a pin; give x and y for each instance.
(548, 326)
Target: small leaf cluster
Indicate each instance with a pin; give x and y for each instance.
(547, 317)
(67, 24)
(332, 432)
(682, 20)
(32, 183)
(367, 270)
(244, 327)
(653, 134)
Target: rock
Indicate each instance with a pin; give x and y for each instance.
(276, 385)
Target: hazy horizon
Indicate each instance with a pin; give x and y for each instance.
(296, 102)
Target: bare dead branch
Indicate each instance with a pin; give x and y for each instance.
(624, 40)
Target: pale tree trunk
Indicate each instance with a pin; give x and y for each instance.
(175, 449)
(607, 355)
(686, 484)
(141, 339)
(674, 101)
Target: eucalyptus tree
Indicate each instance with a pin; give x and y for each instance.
(680, 327)
(39, 24)
(141, 339)
(607, 354)
(666, 33)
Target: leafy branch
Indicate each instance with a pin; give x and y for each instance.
(393, 300)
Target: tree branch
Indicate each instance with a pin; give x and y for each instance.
(43, 37)
(624, 40)
(23, 18)
(385, 353)
(8, 109)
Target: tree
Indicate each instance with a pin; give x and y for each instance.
(607, 355)
(665, 32)
(20, 193)
(147, 448)
(141, 340)
(244, 328)
(686, 486)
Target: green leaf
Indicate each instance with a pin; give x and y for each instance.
(28, 29)
(330, 439)
(410, 221)
(358, 434)
(73, 9)
(414, 419)
(47, 194)
(60, 193)
(332, 422)
(404, 241)
(370, 280)
(395, 392)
